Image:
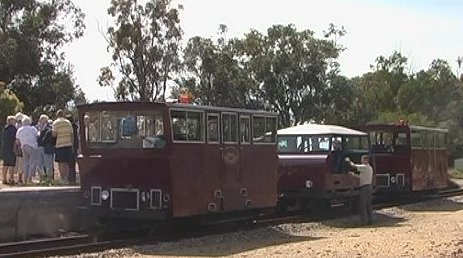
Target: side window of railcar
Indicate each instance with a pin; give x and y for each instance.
(213, 128)
(416, 139)
(441, 140)
(245, 129)
(264, 129)
(288, 143)
(187, 125)
(356, 143)
(426, 140)
(229, 128)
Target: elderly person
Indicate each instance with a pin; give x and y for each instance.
(18, 169)
(8, 144)
(91, 133)
(26, 136)
(63, 132)
(46, 147)
(75, 148)
(365, 174)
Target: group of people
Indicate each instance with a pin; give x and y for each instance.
(29, 148)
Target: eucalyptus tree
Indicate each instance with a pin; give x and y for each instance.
(145, 44)
(292, 70)
(32, 63)
(213, 73)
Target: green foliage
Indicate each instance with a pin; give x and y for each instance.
(284, 70)
(9, 104)
(32, 33)
(215, 76)
(144, 42)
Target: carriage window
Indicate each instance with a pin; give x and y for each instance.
(270, 129)
(382, 141)
(213, 128)
(416, 139)
(229, 128)
(401, 139)
(245, 129)
(426, 140)
(264, 129)
(316, 143)
(356, 143)
(440, 140)
(187, 125)
(116, 129)
(287, 144)
(107, 127)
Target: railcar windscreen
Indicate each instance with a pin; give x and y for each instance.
(303, 143)
(124, 129)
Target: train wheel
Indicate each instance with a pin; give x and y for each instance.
(354, 204)
(320, 205)
(282, 206)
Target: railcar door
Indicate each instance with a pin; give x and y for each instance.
(213, 160)
(230, 175)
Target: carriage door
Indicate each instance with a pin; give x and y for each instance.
(230, 162)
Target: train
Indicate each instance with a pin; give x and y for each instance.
(164, 162)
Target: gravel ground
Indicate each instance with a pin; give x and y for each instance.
(429, 229)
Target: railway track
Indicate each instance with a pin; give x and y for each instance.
(53, 246)
(72, 245)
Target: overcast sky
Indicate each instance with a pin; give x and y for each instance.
(422, 30)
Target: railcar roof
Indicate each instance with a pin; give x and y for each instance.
(395, 126)
(318, 129)
(124, 105)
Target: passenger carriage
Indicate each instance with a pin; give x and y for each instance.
(408, 158)
(163, 161)
(307, 174)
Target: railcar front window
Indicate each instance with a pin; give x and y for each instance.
(124, 129)
(303, 143)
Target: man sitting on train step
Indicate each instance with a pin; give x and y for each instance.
(365, 175)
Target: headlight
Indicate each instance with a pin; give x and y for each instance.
(86, 194)
(104, 195)
(166, 197)
(308, 184)
(143, 196)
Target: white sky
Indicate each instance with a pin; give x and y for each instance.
(422, 30)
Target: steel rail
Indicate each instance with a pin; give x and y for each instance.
(86, 243)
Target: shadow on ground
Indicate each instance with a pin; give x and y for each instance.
(443, 205)
(379, 220)
(224, 244)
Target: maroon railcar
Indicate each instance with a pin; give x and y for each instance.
(408, 158)
(162, 161)
(311, 173)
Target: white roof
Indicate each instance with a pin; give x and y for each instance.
(317, 129)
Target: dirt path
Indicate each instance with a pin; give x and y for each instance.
(430, 229)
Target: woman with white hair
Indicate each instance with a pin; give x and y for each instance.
(27, 138)
(46, 148)
(18, 168)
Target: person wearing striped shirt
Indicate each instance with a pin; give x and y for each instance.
(63, 132)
